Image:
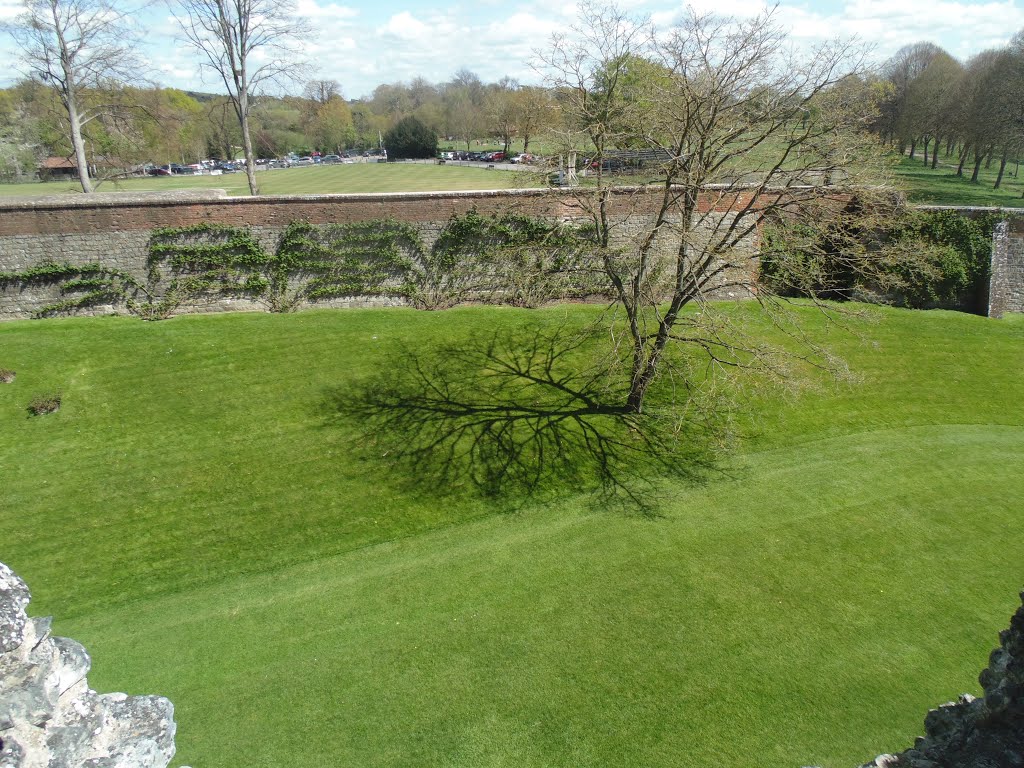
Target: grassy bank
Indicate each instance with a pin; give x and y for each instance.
(196, 516)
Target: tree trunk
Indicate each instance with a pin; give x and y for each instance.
(935, 153)
(243, 121)
(963, 159)
(1002, 167)
(526, 143)
(79, 145)
(927, 141)
(69, 97)
(913, 148)
(978, 158)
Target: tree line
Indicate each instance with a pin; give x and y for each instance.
(84, 94)
(164, 125)
(966, 115)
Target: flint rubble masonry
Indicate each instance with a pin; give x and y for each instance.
(113, 230)
(50, 718)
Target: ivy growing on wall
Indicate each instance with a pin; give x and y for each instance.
(81, 285)
(325, 262)
(509, 259)
(187, 264)
(501, 259)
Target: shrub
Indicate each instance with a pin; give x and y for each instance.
(921, 259)
(41, 404)
(411, 138)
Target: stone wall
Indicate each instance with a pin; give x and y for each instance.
(1006, 290)
(113, 230)
(50, 718)
(986, 732)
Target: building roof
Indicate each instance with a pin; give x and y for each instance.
(57, 163)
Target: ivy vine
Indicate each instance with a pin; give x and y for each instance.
(502, 259)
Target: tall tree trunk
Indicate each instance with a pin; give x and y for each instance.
(935, 153)
(1002, 167)
(927, 141)
(913, 148)
(963, 159)
(250, 161)
(979, 156)
(243, 122)
(70, 98)
(79, 145)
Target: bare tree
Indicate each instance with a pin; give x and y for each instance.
(737, 133)
(322, 91)
(249, 45)
(502, 110)
(83, 50)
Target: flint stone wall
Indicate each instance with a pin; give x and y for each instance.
(50, 718)
(113, 230)
(986, 732)
(1006, 291)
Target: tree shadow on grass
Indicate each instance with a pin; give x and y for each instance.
(527, 414)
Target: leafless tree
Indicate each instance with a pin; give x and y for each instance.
(738, 132)
(84, 50)
(322, 91)
(249, 45)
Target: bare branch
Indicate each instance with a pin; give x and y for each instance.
(249, 46)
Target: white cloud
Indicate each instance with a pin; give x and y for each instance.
(362, 46)
(406, 27)
(888, 25)
(9, 10)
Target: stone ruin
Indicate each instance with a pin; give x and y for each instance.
(50, 718)
(986, 732)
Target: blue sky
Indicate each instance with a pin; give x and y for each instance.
(362, 44)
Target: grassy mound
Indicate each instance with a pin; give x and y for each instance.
(196, 516)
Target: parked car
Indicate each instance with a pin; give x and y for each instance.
(329, 159)
(302, 161)
(523, 157)
(160, 170)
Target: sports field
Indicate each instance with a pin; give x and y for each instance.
(312, 180)
(200, 516)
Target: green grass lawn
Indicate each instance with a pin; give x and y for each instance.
(923, 185)
(943, 187)
(198, 519)
(311, 180)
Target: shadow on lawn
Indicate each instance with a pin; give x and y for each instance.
(533, 413)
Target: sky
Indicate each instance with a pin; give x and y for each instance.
(363, 44)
